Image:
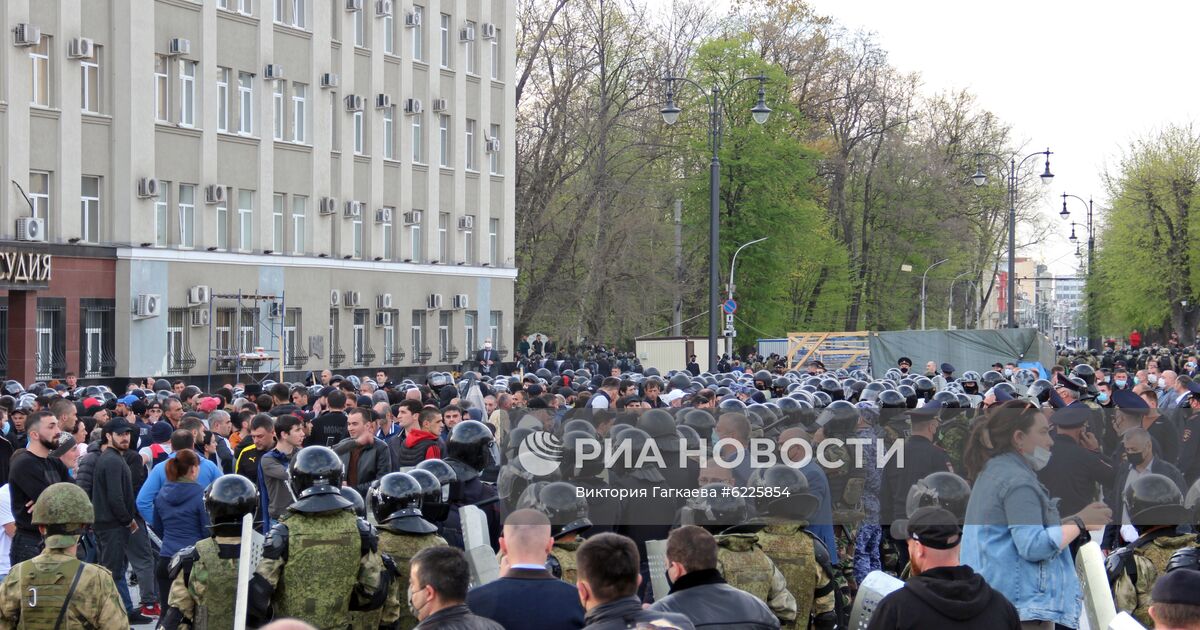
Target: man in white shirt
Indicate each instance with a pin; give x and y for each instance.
(9, 527)
(604, 397)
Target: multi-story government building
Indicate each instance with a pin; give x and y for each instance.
(235, 187)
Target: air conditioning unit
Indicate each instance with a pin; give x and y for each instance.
(328, 205)
(489, 30)
(383, 319)
(148, 305)
(276, 310)
(412, 20)
(492, 145)
(434, 301)
(467, 34)
(352, 299)
(199, 318)
(355, 103)
(199, 294)
(384, 300)
(461, 301)
(354, 5)
(81, 48)
(147, 187)
(383, 101)
(273, 71)
(329, 80)
(32, 229)
(466, 222)
(179, 46)
(25, 34)
(383, 215)
(214, 193)
(413, 106)
(412, 218)
(335, 297)
(440, 105)
(383, 8)
(352, 210)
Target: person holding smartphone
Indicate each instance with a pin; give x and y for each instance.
(1076, 463)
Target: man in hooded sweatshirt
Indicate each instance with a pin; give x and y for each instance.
(941, 593)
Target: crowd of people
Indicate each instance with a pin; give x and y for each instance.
(365, 490)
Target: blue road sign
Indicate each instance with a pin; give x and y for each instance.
(730, 307)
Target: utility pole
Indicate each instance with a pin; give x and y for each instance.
(677, 309)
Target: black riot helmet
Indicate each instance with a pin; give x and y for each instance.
(690, 438)
(562, 504)
(839, 419)
(731, 404)
(473, 444)
(924, 387)
(891, 399)
(658, 424)
(990, 379)
(1185, 558)
(680, 380)
(316, 475)
(718, 508)
(832, 388)
(940, 489)
(396, 503)
(700, 420)
(227, 500)
(1040, 390)
(574, 467)
(870, 391)
(435, 497)
(1007, 388)
(948, 399)
(514, 439)
(445, 475)
(762, 379)
(1088, 374)
(785, 493)
(1155, 500)
(579, 424)
(357, 505)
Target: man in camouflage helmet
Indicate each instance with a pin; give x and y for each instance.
(54, 589)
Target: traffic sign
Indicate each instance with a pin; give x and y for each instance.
(729, 320)
(730, 307)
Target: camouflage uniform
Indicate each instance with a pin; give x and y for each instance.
(400, 548)
(869, 535)
(952, 437)
(794, 551)
(94, 605)
(205, 592)
(745, 567)
(1147, 562)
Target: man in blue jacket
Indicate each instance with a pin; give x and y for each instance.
(180, 439)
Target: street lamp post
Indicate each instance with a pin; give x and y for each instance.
(730, 287)
(670, 114)
(950, 305)
(923, 277)
(1093, 336)
(1013, 167)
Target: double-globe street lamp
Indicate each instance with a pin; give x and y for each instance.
(1093, 336)
(1011, 171)
(670, 114)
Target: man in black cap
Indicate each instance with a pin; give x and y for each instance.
(942, 593)
(1175, 600)
(1166, 436)
(921, 458)
(905, 364)
(1076, 464)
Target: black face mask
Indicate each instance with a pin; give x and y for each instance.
(904, 369)
(1135, 459)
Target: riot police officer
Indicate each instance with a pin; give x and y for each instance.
(604, 510)
(396, 501)
(204, 576)
(319, 537)
(470, 449)
(54, 589)
(568, 514)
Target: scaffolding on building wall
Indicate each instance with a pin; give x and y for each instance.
(255, 361)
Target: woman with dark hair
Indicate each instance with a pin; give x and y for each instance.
(180, 519)
(1014, 536)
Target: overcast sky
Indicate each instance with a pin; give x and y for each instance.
(1082, 78)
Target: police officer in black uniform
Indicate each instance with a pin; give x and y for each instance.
(1076, 463)
(470, 449)
(1189, 438)
(921, 458)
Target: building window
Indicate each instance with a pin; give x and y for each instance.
(470, 145)
(187, 215)
(446, 350)
(357, 236)
(419, 352)
(177, 340)
(89, 219)
(418, 149)
(414, 234)
(223, 99)
(443, 236)
(299, 113)
(445, 144)
(277, 108)
(90, 85)
(389, 341)
(494, 153)
(97, 356)
(445, 30)
(291, 339)
(335, 121)
(246, 6)
(335, 352)
(50, 358)
(245, 103)
(418, 40)
(279, 16)
(496, 60)
(39, 195)
(468, 247)
(389, 133)
(299, 218)
(359, 132)
(494, 241)
(245, 219)
(162, 215)
(277, 224)
(223, 225)
(39, 58)
(386, 226)
(494, 331)
(389, 34)
(161, 88)
(247, 332)
(359, 343)
(187, 93)
(223, 332)
(298, 14)
(469, 51)
(469, 328)
(360, 28)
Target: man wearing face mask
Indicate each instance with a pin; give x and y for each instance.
(905, 364)
(488, 359)
(1120, 379)
(437, 594)
(1140, 461)
(942, 592)
(1076, 464)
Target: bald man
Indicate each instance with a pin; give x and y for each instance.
(526, 584)
(287, 624)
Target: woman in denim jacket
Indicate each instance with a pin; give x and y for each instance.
(1014, 536)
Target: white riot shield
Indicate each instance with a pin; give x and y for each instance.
(1125, 621)
(656, 556)
(248, 557)
(484, 567)
(871, 591)
(1098, 605)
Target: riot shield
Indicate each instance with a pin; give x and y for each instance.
(249, 555)
(873, 589)
(656, 555)
(484, 567)
(1098, 605)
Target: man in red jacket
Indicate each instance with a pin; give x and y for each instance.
(421, 442)
(1135, 339)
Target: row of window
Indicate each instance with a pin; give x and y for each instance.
(97, 326)
(233, 335)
